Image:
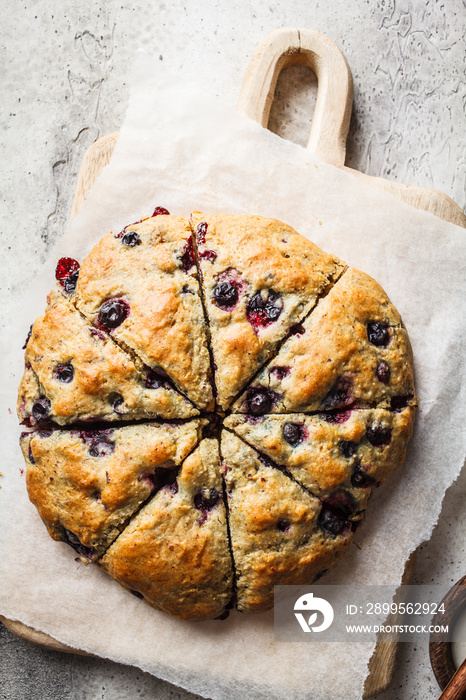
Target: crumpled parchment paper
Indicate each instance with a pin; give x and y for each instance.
(179, 148)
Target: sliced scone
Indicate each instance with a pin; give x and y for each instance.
(280, 534)
(352, 350)
(75, 372)
(86, 484)
(140, 286)
(175, 553)
(339, 462)
(259, 277)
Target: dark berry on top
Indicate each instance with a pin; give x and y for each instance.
(113, 312)
(293, 433)
(65, 267)
(225, 294)
(44, 433)
(399, 402)
(348, 448)
(209, 255)
(336, 417)
(360, 479)
(70, 282)
(283, 525)
(41, 408)
(378, 334)
(98, 441)
(101, 448)
(279, 372)
(201, 232)
(160, 210)
(187, 256)
(30, 455)
(378, 436)
(71, 539)
(332, 520)
(259, 400)
(130, 239)
(27, 339)
(64, 373)
(262, 310)
(206, 499)
(154, 379)
(117, 401)
(342, 501)
(383, 372)
(339, 394)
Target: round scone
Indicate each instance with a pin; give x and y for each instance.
(210, 403)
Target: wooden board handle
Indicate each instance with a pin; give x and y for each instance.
(332, 113)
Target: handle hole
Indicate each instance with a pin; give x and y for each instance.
(293, 104)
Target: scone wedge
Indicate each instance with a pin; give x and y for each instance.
(280, 533)
(140, 286)
(259, 277)
(351, 351)
(175, 551)
(86, 484)
(76, 373)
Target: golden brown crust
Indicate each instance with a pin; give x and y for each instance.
(258, 256)
(174, 553)
(332, 364)
(276, 531)
(86, 484)
(106, 383)
(156, 279)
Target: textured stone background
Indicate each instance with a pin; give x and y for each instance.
(65, 67)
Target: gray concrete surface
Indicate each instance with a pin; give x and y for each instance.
(64, 72)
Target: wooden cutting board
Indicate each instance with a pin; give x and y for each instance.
(330, 125)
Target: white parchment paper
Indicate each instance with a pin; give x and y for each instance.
(180, 149)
